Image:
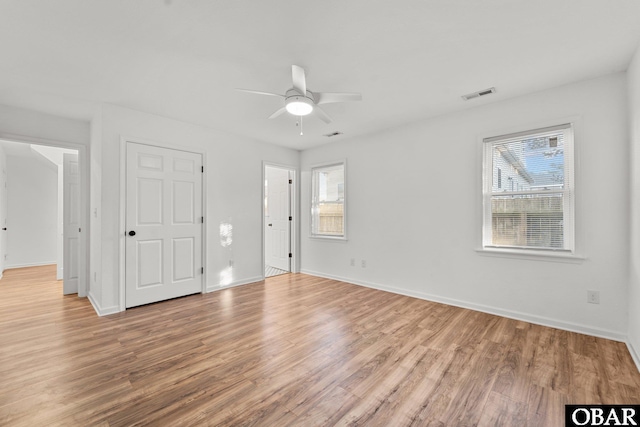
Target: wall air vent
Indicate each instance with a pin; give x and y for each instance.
(329, 135)
(479, 93)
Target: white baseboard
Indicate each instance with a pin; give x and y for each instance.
(34, 264)
(531, 318)
(634, 354)
(105, 311)
(234, 284)
(102, 311)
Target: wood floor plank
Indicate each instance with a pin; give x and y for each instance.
(295, 350)
(501, 411)
(546, 406)
(329, 410)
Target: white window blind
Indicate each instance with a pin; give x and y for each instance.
(528, 190)
(328, 211)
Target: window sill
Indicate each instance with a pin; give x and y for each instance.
(329, 238)
(531, 255)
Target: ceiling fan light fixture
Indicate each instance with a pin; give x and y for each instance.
(299, 105)
(299, 102)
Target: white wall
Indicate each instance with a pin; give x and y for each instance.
(29, 125)
(233, 190)
(3, 209)
(414, 212)
(94, 291)
(32, 211)
(633, 75)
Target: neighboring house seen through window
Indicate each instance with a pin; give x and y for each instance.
(328, 201)
(528, 190)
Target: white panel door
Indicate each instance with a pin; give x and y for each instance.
(277, 232)
(163, 224)
(71, 223)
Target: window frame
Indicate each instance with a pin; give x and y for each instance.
(570, 252)
(314, 202)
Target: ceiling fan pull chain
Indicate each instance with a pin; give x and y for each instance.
(301, 126)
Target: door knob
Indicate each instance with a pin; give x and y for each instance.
(270, 225)
(132, 233)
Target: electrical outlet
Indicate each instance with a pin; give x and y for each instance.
(353, 262)
(593, 297)
(363, 263)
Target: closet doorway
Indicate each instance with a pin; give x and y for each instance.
(278, 220)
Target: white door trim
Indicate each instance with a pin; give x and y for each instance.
(83, 159)
(123, 208)
(295, 208)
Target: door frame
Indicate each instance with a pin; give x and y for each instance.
(83, 160)
(123, 208)
(295, 212)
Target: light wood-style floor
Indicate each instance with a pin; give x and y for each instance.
(294, 350)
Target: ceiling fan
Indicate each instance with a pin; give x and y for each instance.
(299, 101)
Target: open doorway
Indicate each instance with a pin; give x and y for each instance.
(278, 220)
(40, 209)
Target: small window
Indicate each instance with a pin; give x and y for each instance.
(535, 209)
(328, 201)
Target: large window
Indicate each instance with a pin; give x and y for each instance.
(328, 201)
(528, 190)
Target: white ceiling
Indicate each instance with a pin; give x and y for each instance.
(410, 59)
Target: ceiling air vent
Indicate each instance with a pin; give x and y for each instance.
(479, 94)
(329, 135)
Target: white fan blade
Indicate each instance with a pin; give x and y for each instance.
(260, 93)
(329, 97)
(322, 115)
(277, 113)
(299, 80)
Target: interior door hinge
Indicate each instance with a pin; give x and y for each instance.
(290, 255)
(290, 218)
(290, 181)
(201, 270)
(202, 169)
(79, 230)
(202, 219)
